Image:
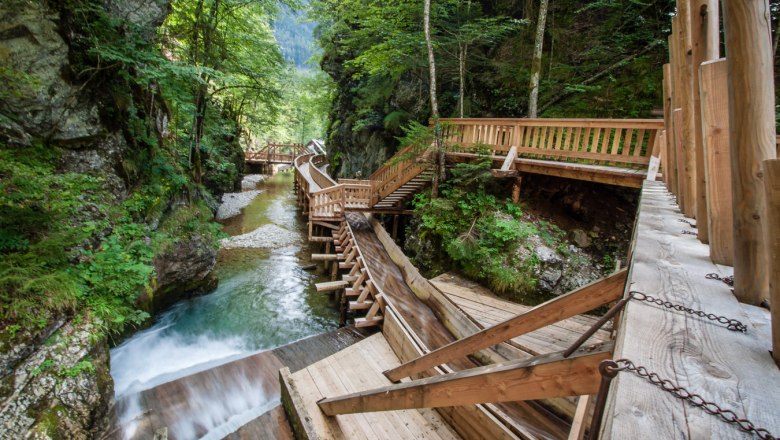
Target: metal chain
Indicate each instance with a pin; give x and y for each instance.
(684, 232)
(731, 324)
(726, 415)
(682, 220)
(728, 280)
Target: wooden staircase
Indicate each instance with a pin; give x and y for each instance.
(397, 198)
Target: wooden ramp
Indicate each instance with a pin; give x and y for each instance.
(356, 368)
(488, 310)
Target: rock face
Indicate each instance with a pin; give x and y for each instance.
(59, 388)
(182, 271)
(559, 270)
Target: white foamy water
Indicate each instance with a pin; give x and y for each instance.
(155, 356)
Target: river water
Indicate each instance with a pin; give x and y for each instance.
(264, 299)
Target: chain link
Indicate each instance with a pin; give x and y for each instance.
(728, 279)
(682, 220)
(694, 399)
(684, 232)
(731, 324)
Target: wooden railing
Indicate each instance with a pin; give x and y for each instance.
(327, 203)
(567, 373)
(615, 142)
(405, 165)
(276, 153)
(322, 179)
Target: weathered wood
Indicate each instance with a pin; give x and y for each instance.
(678, 153)
(330, 286)
(541, 377)
(579, 301)
(730, 368)
(772, 238)
(717, 160)
(752, 127)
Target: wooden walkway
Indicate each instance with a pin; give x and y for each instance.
(732, 369)
(488, 310)
(358, 368)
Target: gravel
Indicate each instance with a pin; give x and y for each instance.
(233, 203)
(250, 181)
(267, 236)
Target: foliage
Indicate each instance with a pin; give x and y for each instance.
(478, 231)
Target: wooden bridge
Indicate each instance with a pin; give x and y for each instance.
(274, 153)
(686, 356)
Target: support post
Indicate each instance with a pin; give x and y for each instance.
(395, 227)
(717, 160)
(772, 233)
(516, 187)
(702, 43)
(669, 163)
(752, 127)
(686, 104)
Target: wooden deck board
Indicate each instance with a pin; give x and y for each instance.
(357, 368)
(732, 369)
(488, 310)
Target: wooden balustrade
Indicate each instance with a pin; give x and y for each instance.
(276, 153)
(327, 204)
(615, 142)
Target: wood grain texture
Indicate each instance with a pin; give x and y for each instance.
(730, 368)
(772, 234)
(717, 160)
(752, 127)
(685, 91)
(670, 155)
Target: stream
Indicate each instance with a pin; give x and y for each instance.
(264, 300)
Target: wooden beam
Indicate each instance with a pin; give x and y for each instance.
(510, 159)
(584, 299)
(717, 160)
(772, 234)
(330, 286)
(752, 127)
(324, 257)
(670, 162)
(541, 377)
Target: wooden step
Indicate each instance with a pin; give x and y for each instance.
(346, 265)
(324, 257)
(354, 305)
(331, 286)
(364, 322)
(352, 292)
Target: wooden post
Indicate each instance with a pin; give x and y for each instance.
(678, 152)
(717, 160)
(677, 119)
(701, 41)
(669, 164)
(516, 187)
(772, 231)
(752, 127)
(686, 104)
(395, 227)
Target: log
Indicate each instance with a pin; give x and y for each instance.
(752, 132)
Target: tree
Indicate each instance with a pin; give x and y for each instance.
(536, 62)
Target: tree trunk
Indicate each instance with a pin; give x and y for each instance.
(536, 63)
(462, 52)
(439, 175)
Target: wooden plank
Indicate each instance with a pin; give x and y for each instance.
(679, 154)
(670, 164)
(510, 159)
(717, 160)
(732, 369)
(772, 237)
(330, 286)
(541, 377)
(579, 301)
(580, 422)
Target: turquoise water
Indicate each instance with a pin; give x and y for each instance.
(264, 300)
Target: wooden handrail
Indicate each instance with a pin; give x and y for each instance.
(322, 179)
(540, 377)
(616, 142)
(584, 299)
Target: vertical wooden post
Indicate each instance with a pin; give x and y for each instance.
(678, 152)
(516, 189)
(669, 164)
(772, 231)
(686, 104)
(701, 41)
(677, 120)
(752, 126)
(717, 159)
(395, 227)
